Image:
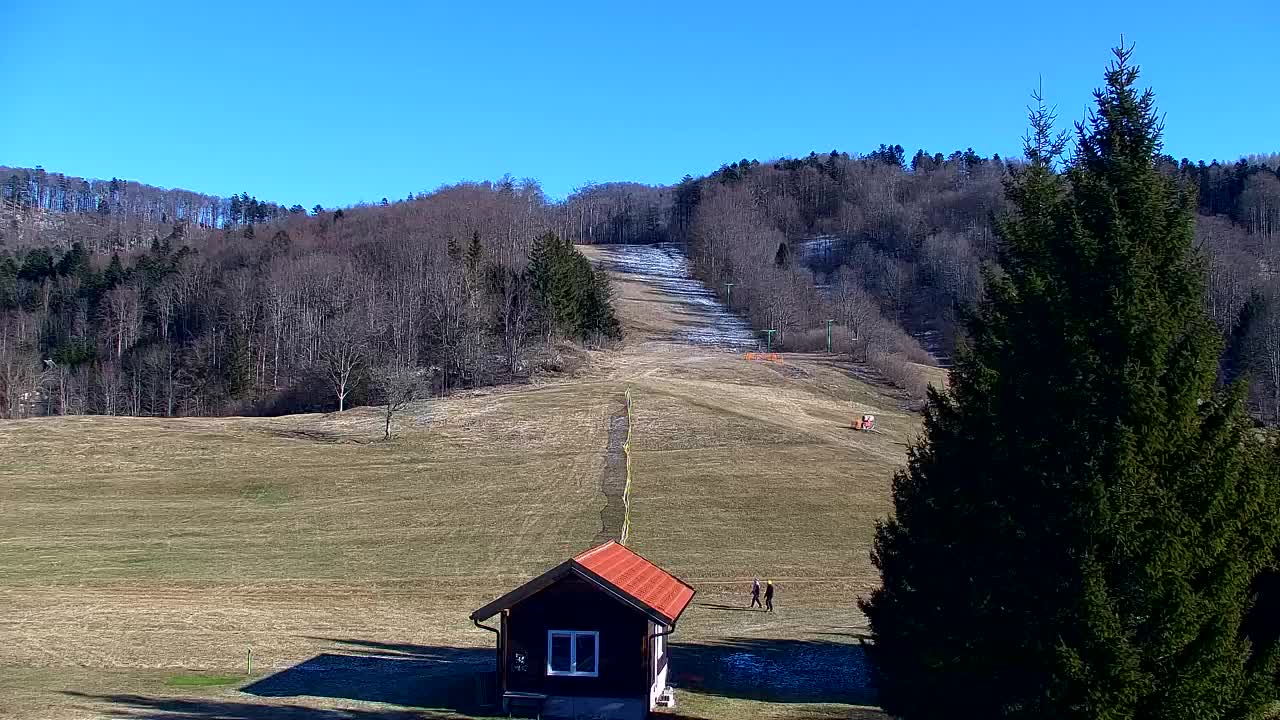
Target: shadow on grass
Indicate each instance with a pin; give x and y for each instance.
(770, 670)
(444, 679)
(140, 707)
(398, 674)
(833, 713)
(727, 608)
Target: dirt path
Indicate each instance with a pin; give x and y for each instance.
(613, 480)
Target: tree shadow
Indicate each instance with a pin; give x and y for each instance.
(772, 670)
(841, 713)
(855, 635)
(450, 678)
(140, 707)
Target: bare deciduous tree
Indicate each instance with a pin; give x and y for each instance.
(342, 353)
(123, 316)
(515, 309)
(398, 385)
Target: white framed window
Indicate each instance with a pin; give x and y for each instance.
(575, 653)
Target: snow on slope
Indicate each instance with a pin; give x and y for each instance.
(706, 321)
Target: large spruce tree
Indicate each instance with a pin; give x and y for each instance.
(571, 298)
(1075, 534)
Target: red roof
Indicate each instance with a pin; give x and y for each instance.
(643, 581)
(617, 570)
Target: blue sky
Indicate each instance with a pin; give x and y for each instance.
(335, 103)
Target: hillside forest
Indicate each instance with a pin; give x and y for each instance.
(123, 298)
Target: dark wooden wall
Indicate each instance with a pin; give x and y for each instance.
(575, 604)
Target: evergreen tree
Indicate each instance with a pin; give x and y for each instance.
(1076, 533)
(782, 257)
(567, 289)
(544, 262)
(38, 266)
(115, 273)
(921, 162)
(239, 364)
(8, 283)
(569, 296)
(540, 262)
(475, 253)
(74, 262)
(1235, 359)
(889, 155)
(601, 316)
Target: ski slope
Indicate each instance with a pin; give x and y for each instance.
(705, 321)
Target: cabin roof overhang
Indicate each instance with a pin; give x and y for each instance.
(666, 615)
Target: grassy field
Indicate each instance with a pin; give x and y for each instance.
(134, 552)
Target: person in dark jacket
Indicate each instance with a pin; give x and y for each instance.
(755, 593)
(768, 596)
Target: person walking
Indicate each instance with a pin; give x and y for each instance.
(768, 596)
(755, 593)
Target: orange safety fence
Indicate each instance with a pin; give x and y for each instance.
(764, 357)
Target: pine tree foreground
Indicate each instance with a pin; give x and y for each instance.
(1076, 533)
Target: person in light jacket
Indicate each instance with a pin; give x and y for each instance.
(755, 593)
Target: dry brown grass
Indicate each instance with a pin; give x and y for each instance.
(134, 549)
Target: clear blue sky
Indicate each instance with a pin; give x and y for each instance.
(334, 103)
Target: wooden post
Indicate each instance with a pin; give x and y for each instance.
(248, 662)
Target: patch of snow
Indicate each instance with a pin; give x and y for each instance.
(816, 248)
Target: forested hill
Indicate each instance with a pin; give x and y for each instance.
(137, 311)
(39, 207)
(117, 297)
(883, 243)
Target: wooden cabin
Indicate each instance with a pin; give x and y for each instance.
(588, 638)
